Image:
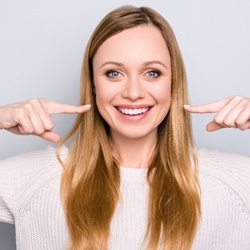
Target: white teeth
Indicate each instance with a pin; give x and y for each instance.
(127, 111)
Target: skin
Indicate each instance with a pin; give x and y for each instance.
(141, 84)
(133, 138)
(231, 112)
(33, 117)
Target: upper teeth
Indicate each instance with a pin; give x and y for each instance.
(133, 111)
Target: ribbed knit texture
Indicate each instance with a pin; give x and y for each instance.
(30, 198)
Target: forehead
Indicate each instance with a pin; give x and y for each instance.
(140, 43)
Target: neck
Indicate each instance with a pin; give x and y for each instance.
(133, 153)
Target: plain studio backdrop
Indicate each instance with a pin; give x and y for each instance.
(42, 46)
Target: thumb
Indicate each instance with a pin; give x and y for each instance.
(51, 136)
(213, 126)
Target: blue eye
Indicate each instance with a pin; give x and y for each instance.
(153, 74)
(113, 74)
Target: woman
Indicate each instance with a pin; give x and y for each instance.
(130, 178)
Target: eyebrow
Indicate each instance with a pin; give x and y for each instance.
(155, 62)
(112, 62)
(145, 64)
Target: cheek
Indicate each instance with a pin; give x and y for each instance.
(99, 97)
(100, 102)
(100, 92)
(163, 94)
(101, 107)
(105, 91)
(103, 97)
(164, 100)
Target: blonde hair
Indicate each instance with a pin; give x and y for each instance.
(91, 180)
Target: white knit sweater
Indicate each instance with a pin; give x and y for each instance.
(30, 198)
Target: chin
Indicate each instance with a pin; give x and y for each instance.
(136, 134)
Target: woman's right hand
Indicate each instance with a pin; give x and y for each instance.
(33, 117)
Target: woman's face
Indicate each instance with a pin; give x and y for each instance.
(132, 80)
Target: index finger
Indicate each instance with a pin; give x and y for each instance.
(211, 107)
(61, 108)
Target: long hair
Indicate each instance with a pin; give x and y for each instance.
(91, 181)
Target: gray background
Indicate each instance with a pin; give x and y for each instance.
(42, 44)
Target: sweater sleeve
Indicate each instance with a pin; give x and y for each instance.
(15, 173)
(8, 184)
(232, 171)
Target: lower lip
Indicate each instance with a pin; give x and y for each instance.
(134, 117)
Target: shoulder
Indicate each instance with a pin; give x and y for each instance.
(213, 161)
(27, 168)
(225, 175)
(24, 176)
(30, 162)
(228, 167)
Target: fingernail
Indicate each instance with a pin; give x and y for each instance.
(186, 105)
(87, 105)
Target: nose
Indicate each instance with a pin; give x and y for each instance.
(133, 89)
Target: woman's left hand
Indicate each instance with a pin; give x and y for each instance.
(231, 112)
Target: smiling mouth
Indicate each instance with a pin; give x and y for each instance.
(133, 111)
